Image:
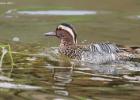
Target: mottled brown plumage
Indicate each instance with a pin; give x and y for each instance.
(95, 53)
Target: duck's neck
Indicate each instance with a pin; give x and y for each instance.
(66, 43)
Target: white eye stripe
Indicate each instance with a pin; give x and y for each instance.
(69, 30)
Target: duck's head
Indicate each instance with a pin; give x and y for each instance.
(65, 32)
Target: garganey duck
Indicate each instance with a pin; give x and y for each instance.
(93, 53)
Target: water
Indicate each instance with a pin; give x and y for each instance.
(6, 3)
(58, 12)
(45, 76)
(40, 74)
(137, 17)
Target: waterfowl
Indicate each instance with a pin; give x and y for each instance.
(93, 53)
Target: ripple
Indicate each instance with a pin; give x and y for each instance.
(58, 12)
(135, 78)
(4, 78)
(6, 3)
(100, 79)
(134, 17)
(61, 92)
(18, 86)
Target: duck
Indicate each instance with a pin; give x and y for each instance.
(97, 53)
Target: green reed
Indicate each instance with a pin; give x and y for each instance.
(6, 49)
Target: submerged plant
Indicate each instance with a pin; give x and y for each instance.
(6, 49)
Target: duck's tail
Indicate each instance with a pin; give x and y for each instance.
(133, 52)
(130, 49)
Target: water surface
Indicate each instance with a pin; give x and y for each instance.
(39, 74)
(58, 12)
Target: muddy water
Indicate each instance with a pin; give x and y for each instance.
(39, 74)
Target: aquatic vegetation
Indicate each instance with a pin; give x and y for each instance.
(6, 49)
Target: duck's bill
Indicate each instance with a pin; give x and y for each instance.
(50, 34)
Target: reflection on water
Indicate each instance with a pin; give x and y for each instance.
(47, 75)
(62, 77)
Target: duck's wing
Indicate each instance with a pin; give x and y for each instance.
(104, 48)
(106, 52)
(99, 53)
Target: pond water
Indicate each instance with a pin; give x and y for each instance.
(6, 3)
(40, 74)
(135, 17)
(58, 12)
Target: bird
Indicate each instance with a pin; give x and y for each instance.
(97, 53)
